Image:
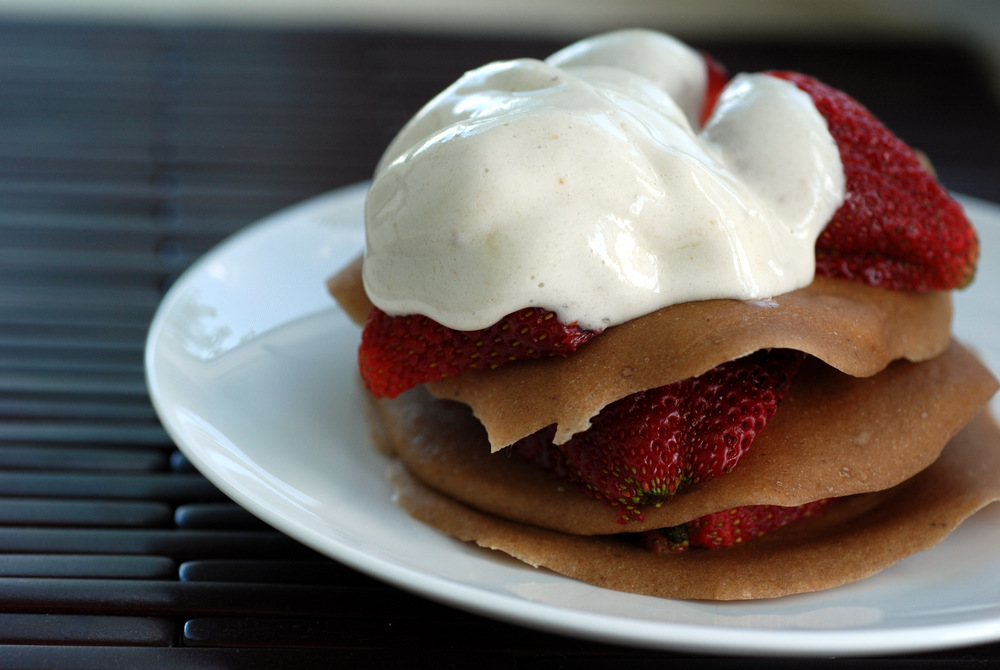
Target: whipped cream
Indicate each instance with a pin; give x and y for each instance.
(582, 184)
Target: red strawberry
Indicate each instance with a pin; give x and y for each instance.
(399, 352)
(726, 528)
(647, 446)
(898, 227)
(717, 80)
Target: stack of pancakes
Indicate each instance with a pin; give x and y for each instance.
(886, 417)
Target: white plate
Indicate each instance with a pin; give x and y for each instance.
(252, 371)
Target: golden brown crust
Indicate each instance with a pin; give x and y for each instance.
(854, 538)
(834, 435)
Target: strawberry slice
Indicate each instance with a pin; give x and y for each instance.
(898, 227)
(399, 352)
(642, 449)
(727, 528)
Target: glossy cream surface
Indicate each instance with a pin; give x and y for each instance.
(583, 184)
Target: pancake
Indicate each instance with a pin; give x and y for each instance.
(833, 435)
(853, 538)
(884, 417)
(855, 328)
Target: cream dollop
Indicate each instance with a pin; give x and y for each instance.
(582, 184)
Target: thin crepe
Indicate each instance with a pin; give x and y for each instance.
(834, 435)
(857, 329)
(854, 537)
